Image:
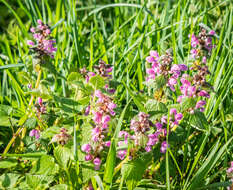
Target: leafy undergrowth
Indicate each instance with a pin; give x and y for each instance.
(116, 95)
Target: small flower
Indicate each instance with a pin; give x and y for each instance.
(97, 163)
(178, 116)
(164, 147)
(194, 41)
(122, 154)
(31, 43)
(88, 157)
(86, 148)
(35, 133)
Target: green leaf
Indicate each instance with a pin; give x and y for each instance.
(132, 171)
(46, 166)
(97, 82)
(31, 123)
(8, 163)
(9, 180)
(187, 103)
(74, 77)
(157, 83)
(62, 155)
(199, 121)
(59, 187)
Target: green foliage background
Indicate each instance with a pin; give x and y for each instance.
(121, 33)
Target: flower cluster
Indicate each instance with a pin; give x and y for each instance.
(102, 112)
(40, 107)
(146, 134)
(102, 69)
(35, 133)
(62, 138)
(163, 66)
(42, 44)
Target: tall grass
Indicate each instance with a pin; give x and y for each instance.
(122, 33)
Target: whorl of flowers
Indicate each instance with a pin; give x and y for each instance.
(102, 69)
(193, 85)
(42, 44)
(163, 66)
(101, 116)
(62, 138)
(145, 134)
(40, 107)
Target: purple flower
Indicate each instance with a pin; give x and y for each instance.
(88, 157)
(178, 116)
(212, 32)
(148, 148)
(31, 43)
(183, 67)
(40, 101)
(35, 133)
(204, 94)
(86, 148)
(87, 110)
(97, 163)
(107, 143)
(194, 41)
(193, 53)
(173, 111)
(121, 154)
(164, 147)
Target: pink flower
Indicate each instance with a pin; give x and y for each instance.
(97, 163)
(164, 147)
(204, 94)
(193, 53)
(173, 111)
(39, 22)
(178, 116)
(121, 154)
(33, 30)
(211, 32)
(86, 148)
(107, 143)
(35, 133)
(204, 59)
(97, 117)
(148, 148)
(194, 41)
(40, 101)
(31, 43)
(88, 157)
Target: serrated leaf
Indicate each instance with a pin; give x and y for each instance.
(132, 171)
(31, 123)
(199, 121)
(59, 187)
(187, 103)
(46, 166)
(157, 83)
(62, 155)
